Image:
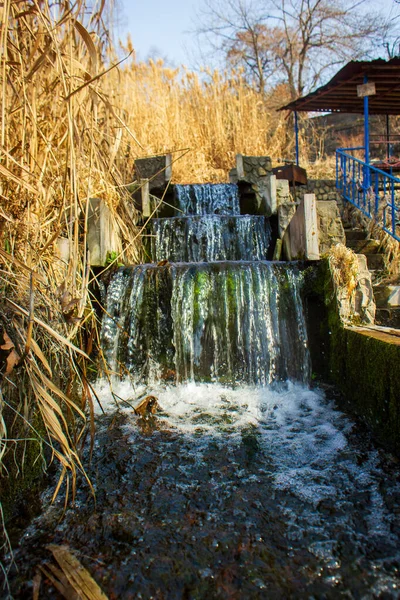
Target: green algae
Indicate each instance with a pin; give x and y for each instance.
(365, 369)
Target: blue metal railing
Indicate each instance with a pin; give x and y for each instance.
(373, 191)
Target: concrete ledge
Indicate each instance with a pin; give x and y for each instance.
(370, 380)
(361, 361)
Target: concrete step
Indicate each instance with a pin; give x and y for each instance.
(375, 262)
(364, 246)
(388, 317)
(355, 234)
(387, 296)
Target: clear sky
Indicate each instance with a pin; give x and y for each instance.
(162, 27)
(157, 27)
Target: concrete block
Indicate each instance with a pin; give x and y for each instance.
(157, 169)
(311, 227)
(145, 194)
(102, 237)
(394, 298)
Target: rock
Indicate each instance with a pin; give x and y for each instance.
(157, 169)
(360, 305)
(282, 192)
(364, 302)
(286, 213)
(330, 226)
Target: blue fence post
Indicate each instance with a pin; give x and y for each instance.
(366, 137)
(296, 130)
(379, 200)
(388, 149)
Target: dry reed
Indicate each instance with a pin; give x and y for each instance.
(215, 115)
(71, 125)
(60, 137)
(343, 265)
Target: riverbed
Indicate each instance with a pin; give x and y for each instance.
(247, 492)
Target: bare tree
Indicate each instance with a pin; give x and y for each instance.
(291, 41)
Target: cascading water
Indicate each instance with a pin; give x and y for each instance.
(219, 312)
(228, 321)
(208, 199)
(236, 488)
(210, 238)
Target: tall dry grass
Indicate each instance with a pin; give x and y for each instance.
(72, 122)
(60, 137)
(214, 115)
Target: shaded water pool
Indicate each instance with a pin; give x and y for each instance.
(229, 493)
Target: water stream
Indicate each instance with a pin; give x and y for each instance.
(246, 483)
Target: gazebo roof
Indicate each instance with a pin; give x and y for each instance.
(340, 93)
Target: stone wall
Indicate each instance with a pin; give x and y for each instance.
(360, 361)
(324, 189)
(250, 168)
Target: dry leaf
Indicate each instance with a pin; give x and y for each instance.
(37, 580)
(12, 361)
(8, 344)
(13, 357)
(148, 405)
(78, 577)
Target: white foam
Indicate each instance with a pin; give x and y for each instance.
(300, 434)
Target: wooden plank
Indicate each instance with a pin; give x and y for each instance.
(311, 227)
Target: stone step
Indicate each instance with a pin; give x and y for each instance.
(355, 234)
(364, 246)
(387, 296)
(388, 317)
(375, 262)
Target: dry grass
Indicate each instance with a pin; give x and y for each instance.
(60, 139)
(214, 115)
(343, 265)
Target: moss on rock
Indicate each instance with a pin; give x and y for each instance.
(362, 363)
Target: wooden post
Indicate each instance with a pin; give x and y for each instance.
(301, 239)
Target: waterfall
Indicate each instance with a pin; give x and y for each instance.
(218, 311)
(237, 486)
(208, 199)
(210, 237)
